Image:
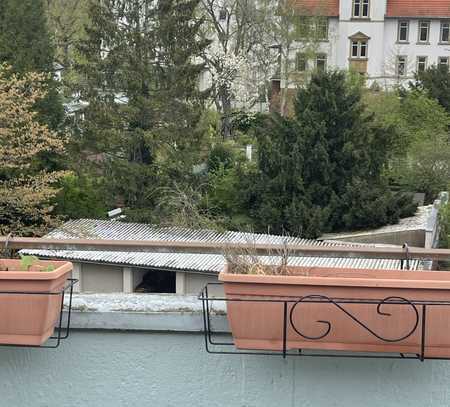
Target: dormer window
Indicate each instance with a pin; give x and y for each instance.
(359, 46)
(359, 49)
(361, 8)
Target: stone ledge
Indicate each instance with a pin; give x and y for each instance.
(143, 312)
(140, 321)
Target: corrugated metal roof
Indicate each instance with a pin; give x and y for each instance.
(193, 262)
(420, 221)
(114, 230)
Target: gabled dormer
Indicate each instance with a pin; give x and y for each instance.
(359, 52)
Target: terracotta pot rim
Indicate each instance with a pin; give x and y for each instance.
(439, 280)
(62, 267)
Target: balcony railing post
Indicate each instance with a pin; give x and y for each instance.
(422, 341)
(284, 328)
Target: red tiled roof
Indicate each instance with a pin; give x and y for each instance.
(418, 8)
(328, 8)
(395, 8)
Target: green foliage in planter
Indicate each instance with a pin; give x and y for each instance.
(322, 170)
(27, 262)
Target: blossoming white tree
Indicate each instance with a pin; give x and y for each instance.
(238, 57)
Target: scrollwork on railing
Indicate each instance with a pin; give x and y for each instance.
(322, 299)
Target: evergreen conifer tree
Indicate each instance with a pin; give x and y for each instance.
(26, 46)
(140, 78)
(322, 170)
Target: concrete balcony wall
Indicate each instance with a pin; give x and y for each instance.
(120, 359)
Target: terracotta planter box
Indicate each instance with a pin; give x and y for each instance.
(325, 325)
(29, 319)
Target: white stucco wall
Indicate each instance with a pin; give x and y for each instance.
(107, 278)
(113, 366)
(413, 49)
(196, 282)
(383, 48)
(101, 278)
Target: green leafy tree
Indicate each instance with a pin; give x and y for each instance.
(66, 21)
(420, 155)
(25, 45)
(323, 169)
(444, 222)
(140, 78)
(436, 81)
(228, 175)
(426, 168)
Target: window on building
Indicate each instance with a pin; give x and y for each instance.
(222, 14)
(424, 31)
(300, 62)
(322, 29)
(321, 62)
(359, 49)
(421, 64)
(363, 49)
(401, 65)
(262, 93)
(303, 27)
(403, 31)
(312, 27)
(445, 32)
(443, 61)
(361, 8)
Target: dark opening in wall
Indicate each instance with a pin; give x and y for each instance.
(157, 281)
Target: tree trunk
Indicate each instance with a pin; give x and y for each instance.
(225, 121)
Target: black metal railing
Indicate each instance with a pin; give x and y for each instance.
(418, 326)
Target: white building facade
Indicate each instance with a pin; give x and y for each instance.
(387, 41)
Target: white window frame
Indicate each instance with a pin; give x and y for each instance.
(400, 22)
(440, 59)
(324, 58)
(423, 23)
(322, 23)
(404, 63)
(441, 32)
(360, 44)
(297, 57)
(425, 63)
(361, 4)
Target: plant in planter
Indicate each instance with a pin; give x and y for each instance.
(280, 307)
(30, 299)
